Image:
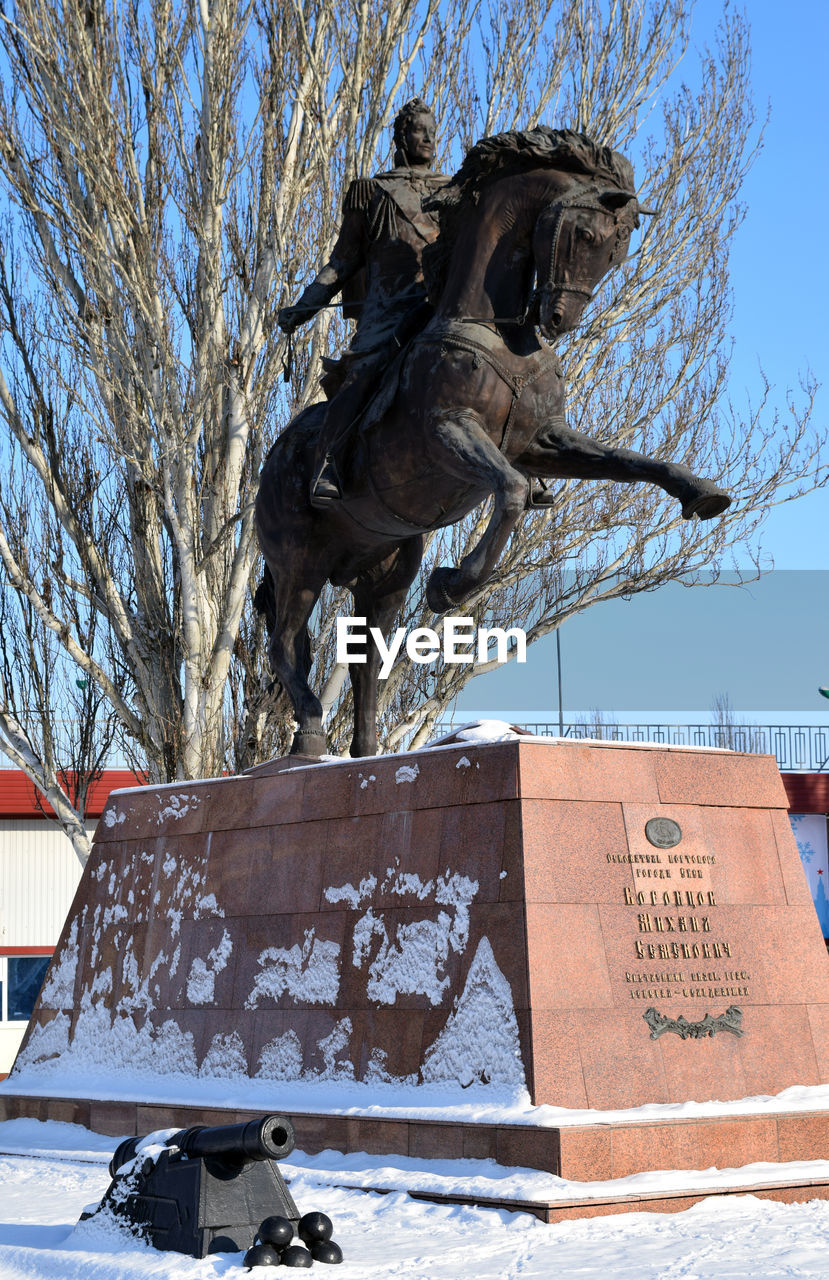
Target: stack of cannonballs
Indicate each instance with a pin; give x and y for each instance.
(273, 1245)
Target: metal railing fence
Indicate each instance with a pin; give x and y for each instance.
(798, 748)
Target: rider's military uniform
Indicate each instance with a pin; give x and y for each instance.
(379, 249)
(376, 265)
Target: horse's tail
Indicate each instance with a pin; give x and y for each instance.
(264, 600)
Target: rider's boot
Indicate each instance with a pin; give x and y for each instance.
(326, 488)
(540, 495)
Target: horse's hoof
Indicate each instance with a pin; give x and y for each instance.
(707, 502)
(308, 744)
(437, 595)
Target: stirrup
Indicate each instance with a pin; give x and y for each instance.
(326, 488)
(540, 495)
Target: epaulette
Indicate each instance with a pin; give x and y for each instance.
(358, 196)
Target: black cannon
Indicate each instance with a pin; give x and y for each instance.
(202, 1190)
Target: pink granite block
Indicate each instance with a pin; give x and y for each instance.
(576, 771)
(324, 1132)
(436, 1141)
(586, 1152)
(622, 1066)
(685, 940)
(280, 1038)
(791, 868)
(228, 804)
(328, 1041)
(511, 876)
(490, 776)
(407, 857)
(388, 1042)
(802, 1137)
(231, 857)
(176, 808)
(188, 1038)
(566, 957)
(355, 862)
(689, 864)
(554, 1071)
(408, 958)
(329, 792)
(747, 869)
(173, 867)
(789, 953)
(529, 1147)
(819, 1025)
(472, 843)
(502, 925)
(712, 1067)
(278, 798)
(116, 1120)
(286, 871)
(211, 950)
(468, 774)
(768, 1028)
(701, 1144)
(279, 950)
(574, 852)
(726, 778)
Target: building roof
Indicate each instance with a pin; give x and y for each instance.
(20, 799)
(807, 792)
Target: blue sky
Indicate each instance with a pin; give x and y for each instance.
(668, 653)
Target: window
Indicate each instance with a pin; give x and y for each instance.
(21, 978)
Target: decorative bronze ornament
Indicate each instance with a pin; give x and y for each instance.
(664, 833)
(731, 1021)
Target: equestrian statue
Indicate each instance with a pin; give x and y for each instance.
(446, 395)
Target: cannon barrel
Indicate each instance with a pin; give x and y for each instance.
(270, 1138)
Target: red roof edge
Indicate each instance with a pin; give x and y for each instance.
(807, 792)
(19, 798)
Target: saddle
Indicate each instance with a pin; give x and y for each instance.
(388, 364)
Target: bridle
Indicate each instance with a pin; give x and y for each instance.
(578, 199)
(564, 204)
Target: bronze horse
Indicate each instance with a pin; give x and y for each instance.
(475, 406)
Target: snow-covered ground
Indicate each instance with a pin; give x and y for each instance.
(61, 1168)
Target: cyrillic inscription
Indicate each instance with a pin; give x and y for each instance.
(671, 898)
(688, 918)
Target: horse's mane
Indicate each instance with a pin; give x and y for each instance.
(498, 157)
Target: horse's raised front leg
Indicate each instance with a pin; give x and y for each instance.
(563, 453)
(460, 445)
(378, 595)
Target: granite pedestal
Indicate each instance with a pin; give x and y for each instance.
(613, 924)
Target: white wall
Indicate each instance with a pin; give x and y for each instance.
(39, 873)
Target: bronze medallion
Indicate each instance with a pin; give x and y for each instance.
(663, 832)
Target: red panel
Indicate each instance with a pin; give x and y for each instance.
(18, 796)
(26, 951)
(807, 792)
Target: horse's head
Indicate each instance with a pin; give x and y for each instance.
(577, 239)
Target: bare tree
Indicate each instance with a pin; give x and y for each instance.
(733, 731)
(173, 173)
(169, 172)
(647, 370)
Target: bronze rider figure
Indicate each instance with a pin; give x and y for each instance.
(376, 265)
